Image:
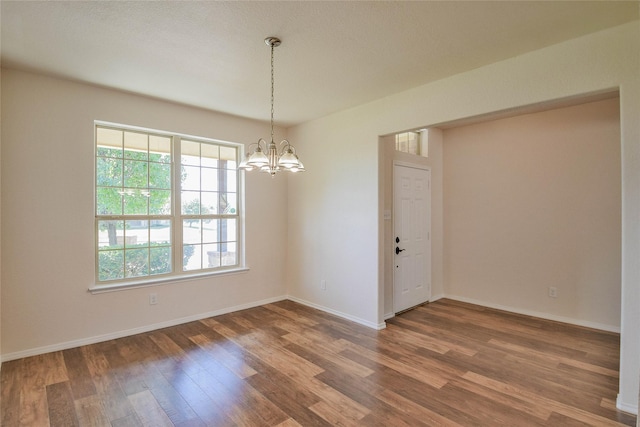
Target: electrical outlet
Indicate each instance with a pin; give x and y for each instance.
(323, 285)
(153, 299)
(553, 292)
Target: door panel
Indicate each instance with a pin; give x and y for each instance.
(412, 250)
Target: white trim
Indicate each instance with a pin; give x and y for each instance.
(142, 329)
(432, 299)
(378, 326)
(436, 298)
(411, 165)
(539, 314)
(196, 138)
(120, 334)
(123, 286)
(632, 409)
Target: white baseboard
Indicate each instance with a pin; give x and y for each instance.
(120, 334)
(378, 326)
(432, 299)
(435, 298)
(363, 322)
(632, 409)
(539, 314)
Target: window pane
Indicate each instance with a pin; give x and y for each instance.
(209, 203)
(136, 155)
(190, 178)
(160, 233)
(210, 154)
(229, 155)
(136, 146)
(109, 142)
(210, 231)
(109, 152)
(228, 203)
(211, 256)
(108, 232)
(231, 181)
(136, 174)
(160, 149)
(413, 145)
(228, 230)
(136, 233)
(137, 262)
(190, 203)
(109, 201)
(160, 175)
(160, 260)
(191, 231)
(230, 254)
(209, 179)
(110, 265)
(135, 202)
(190, 154)
(109, 172)
(159, 202)
(408, 142)
(191, 257)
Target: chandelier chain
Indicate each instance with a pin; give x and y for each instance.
(272, 97)
(265, 157)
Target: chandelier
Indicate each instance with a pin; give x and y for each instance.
(271, 157)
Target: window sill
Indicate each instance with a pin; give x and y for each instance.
(135, 284)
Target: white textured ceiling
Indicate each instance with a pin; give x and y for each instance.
(334, 55)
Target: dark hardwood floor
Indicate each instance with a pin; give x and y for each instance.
(284, 364)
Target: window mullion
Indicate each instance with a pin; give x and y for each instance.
(177, 205)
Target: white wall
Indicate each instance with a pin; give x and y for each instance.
(47, 218)
(333, 240)
(531, 202)
(335, 213)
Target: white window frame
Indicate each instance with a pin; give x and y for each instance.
(405, 146)
(176, 217)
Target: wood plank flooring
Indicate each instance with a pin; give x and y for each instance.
(283, 364)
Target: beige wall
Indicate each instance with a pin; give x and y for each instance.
(336, 224)
(48, 225)
(534, 201)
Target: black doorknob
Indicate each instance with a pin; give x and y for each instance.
(398, 250)
(397, 240)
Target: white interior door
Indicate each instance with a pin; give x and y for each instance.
(412, 239)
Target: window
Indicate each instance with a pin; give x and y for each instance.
(409, 142)
(166, 205)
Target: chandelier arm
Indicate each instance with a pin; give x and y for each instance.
(256, 144)
(285, 145)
